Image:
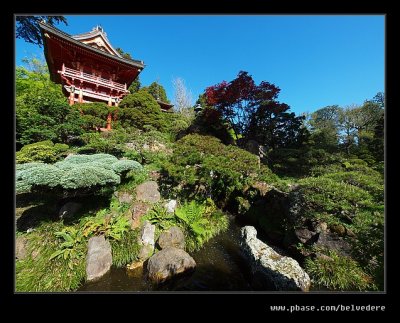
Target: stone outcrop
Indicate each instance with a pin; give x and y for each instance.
(277, 271)
(99, 258)
(173, 237)
(146, 241)
(148, 192)
(169, 262)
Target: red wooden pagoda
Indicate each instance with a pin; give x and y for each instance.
(88, 67)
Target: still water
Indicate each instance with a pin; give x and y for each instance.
(220, 267)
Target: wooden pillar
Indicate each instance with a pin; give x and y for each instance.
(109, 114)
(80, 97)
(72, 95)
(71, 98)
(109, 121)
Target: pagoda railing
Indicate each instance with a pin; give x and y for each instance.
(69, 72)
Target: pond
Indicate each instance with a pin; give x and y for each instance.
(220, 267)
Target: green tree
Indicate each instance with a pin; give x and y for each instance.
(157, 91)
(135, 85)
(42, 111)
(123, 53)
(324, 126)
(28, 27)
(140, 110)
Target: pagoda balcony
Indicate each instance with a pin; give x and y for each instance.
(92, 79)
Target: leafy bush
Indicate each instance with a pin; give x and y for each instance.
(113, 227)
(86, 176)
(73, 173)
(71, 248)
(112, 142)
(205, 166)
(338, 273)
(200, 221)
(44, 151)
(140, 109)
(371, 184)
(323, 195)
(125, 165)
(42, 111)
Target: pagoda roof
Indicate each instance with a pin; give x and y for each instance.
(77, 40)
(164, 105)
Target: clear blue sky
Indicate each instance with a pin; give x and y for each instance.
(315, 60)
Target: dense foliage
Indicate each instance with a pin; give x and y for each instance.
(157, 91)
(87, 172)
(42, 112)
(254, 112)
(203, 165)
(329, 166)
(29, 30)
(44, 151)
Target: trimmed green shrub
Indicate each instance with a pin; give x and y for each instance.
(141, 109)
(324, 195)
(203, 165)
(44, 151)
(85, 176)
(125, 165)
(371, 184)
(73, 173)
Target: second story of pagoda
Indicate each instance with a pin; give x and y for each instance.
(88, 66)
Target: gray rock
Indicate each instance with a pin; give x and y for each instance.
(334, 242)
(99, 258)
(280, 272)
(303, 234)
(170, 206)
(146, 241)
(69, 209)
(125, 197)
(169, 262)
(20, 247)
(173, 237)
(148, 192)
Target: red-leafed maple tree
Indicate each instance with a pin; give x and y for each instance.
(253, 110)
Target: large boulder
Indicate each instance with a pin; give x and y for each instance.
(148, 192)
(20, 247)
(99, 258)
(169, 262)
(271, 268)
(68, 210)
(146, 241)
(173, 237)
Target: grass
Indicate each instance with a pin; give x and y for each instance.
(41, 274)
(338, 273)
(125, 250)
